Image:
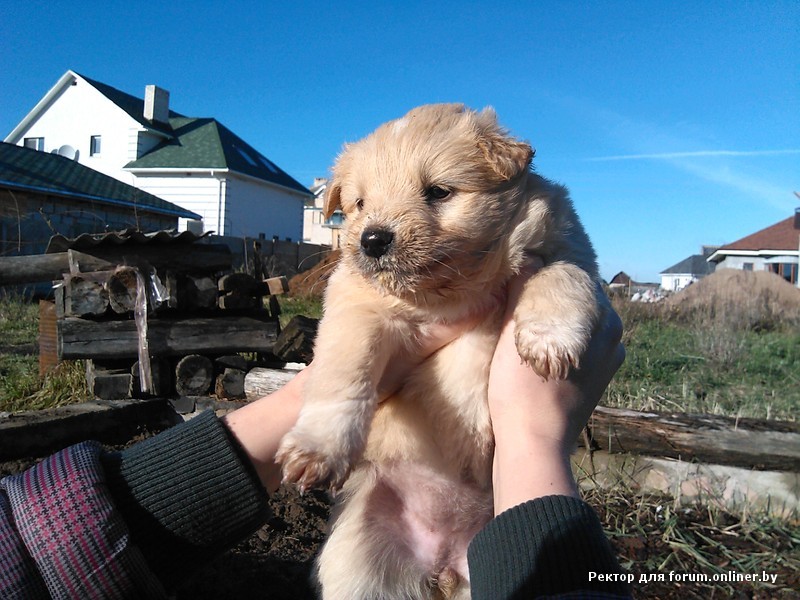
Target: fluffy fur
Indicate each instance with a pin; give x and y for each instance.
(441, 207)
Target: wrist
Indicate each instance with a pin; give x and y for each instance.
(528, 468)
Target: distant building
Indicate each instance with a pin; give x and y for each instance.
(687, 271)
(316, 228)
(774, 248)
(195, 163)
(622, 284)
(44, 194)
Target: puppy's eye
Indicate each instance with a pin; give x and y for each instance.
(359, 203)
(437, 192)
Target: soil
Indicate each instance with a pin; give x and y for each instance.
(276, 562)
(767, 291)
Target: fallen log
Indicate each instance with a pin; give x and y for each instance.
(83, 338)
(204, 258)
(261, 381)
(751, 443)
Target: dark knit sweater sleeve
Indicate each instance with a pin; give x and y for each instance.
(186, 495)
(544, 547)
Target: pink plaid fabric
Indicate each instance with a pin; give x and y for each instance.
(69, 532)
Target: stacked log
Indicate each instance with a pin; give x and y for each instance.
(155, 319)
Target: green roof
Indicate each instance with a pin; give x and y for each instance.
(32, 170)
(204, 143)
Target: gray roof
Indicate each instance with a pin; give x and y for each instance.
(694, 265)
(32, 170)
(132, 105)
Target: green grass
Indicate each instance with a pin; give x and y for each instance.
(308, 306)
(19, 320)
(21, 387)
(698, 363)
(704, 365)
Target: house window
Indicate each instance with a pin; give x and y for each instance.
(37, 143)
(747, 267)
(94, 145)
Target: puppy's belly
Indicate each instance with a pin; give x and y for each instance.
(427, 515)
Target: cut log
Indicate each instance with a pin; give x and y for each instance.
(751, 443)
(108, 384)
(83, 296)
(122, 289)
(296, 342)
(277, 285)
(193, 375)
(82, 338)
(261, 381)
(230, 385)
(201, 292)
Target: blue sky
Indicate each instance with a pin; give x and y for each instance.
(673, 124)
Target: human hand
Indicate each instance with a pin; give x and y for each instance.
(536, 422)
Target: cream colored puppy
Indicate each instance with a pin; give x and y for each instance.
(441, 207)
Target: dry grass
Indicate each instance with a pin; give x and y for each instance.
(654, 535)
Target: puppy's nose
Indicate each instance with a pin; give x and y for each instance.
(376, 242)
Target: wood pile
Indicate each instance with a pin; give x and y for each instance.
(153, 319)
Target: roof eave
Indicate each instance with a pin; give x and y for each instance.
(65, 80)
(721, 254)
(213, 172)
(183, 213)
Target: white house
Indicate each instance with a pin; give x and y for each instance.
(687, 271)
(316, 228)
(195, 163)
(775, 248)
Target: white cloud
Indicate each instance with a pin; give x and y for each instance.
(694, 154)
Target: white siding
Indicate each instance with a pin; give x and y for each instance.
(253, 208)
(676, 281)
(78, 113)
(198, 193)
(738, 262)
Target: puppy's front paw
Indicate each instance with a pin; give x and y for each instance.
(305, 464)
(551, 350)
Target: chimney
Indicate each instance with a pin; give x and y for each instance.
(156, 104)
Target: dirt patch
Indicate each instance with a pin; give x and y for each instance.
(311, 283)
(752, 295)
(276, 562)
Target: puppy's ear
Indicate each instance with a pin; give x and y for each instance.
(333, 198)
(507, 156)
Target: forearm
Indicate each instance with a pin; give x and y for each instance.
(259, 427)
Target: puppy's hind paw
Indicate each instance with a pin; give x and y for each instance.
(549, 351)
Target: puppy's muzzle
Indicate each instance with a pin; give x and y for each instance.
(376, 242)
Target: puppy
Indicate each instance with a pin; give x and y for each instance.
(441, 208)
